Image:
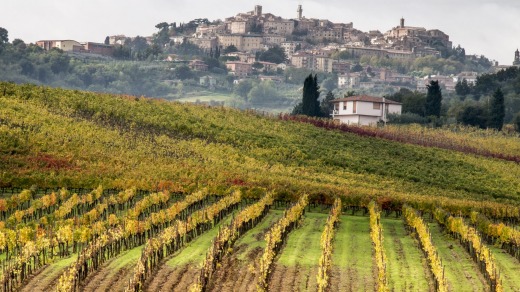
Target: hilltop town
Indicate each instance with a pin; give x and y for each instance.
(319, 45)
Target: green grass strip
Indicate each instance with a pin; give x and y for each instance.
(353, 254)
(303, 244)
(254, 238)
(509, 268)
(461, 271)
(405, 261)
(195, 251)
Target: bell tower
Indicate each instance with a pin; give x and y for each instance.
(402, 22)
(517, 58)
(300, 12)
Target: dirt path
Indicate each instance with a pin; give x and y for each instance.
(179, 271)
(173, 279)
(114, 274)
(237, 272)
(47, 277)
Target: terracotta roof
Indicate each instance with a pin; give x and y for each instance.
(366, 98)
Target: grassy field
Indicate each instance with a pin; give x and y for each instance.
(207, 98)
(296, 267)
(195, 252)
(47, 278)
(509, 268)
(254, 238)
(407, 267)
(114, 274)
(352, 256)
(461, 271)
(237, 272)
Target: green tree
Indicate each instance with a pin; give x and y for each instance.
(413, 102)
(516, 122)
(243, 88)
(356, 68)
(433, 99)
(330, 83)
(263, 93)
(184, 72)
(274, 55)
(462, 88)
(497, 110)
(4, 36)
(230, 49)
(163, 36)
(311, 93)
(473, 115)
(327, 106)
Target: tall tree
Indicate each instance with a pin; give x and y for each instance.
(4, 36)
(4, 39)
(311, 93)
(107, 40)
(497, 110)
(433, 99)
(327, 106)
(462, 88)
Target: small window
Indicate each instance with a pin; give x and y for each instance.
(354, 107)
(377, 105)
(344, 106)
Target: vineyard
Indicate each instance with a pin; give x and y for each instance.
(102, 192)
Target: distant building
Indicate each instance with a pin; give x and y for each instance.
(517, 58)
(208, 81)
(198, 65)
(65, 45)
(445, 82)
(247, 42)
(99, 49)
(471, 77)
(240, 69)
(268, 66)
(351, 80)
(117, 40)
(364, 110)
(206, 43)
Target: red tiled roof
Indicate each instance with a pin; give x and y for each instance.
(366, 98)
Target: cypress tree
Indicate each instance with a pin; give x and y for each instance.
(310, 103)
(497, 110)
(433, 99)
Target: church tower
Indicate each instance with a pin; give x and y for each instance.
(402, 22)
(258, 10)
(517, 58)
(300, 12)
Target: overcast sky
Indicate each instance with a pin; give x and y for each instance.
(487, 27)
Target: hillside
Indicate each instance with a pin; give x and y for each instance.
(56, 138)
(126, 193)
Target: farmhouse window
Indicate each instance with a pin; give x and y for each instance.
(377, 105)
(354, 107)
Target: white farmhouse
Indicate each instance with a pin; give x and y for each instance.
(364, 110)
